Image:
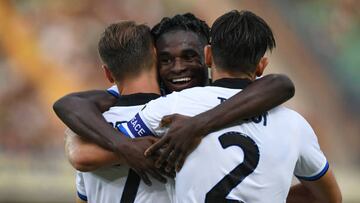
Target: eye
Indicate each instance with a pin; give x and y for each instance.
(189, 56)
(165, 60)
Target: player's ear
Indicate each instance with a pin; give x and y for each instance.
(208, 55)
(155, 51)
(108, 73)
(264, 61)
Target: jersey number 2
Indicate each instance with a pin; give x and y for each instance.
(131, 187)
(251, 159)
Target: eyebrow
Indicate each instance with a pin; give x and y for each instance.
(189, 50)
(163, 53)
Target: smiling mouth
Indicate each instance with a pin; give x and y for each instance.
(183, 80)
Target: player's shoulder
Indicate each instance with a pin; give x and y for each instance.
(123, 112)
(290, 115)
(193, 92)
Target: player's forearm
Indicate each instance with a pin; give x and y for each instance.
(87, 163)
(261, 96)
(81, 112)
(85, 156)
(93, 159)
(299, 194)
(325, 189)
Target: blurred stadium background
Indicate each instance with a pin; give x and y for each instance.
(49, 48)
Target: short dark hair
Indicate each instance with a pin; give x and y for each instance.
(239, 40)
(126, 48)
(187, 22)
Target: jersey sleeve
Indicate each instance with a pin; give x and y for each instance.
(311, 164)
(113, 90)
(80, 186)
(147, 121)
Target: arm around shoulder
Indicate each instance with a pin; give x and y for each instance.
(324, 189)
(82, 113)
(262, 95)
(86, 156)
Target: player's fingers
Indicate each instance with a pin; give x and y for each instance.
(171, 160)
(154, 173)
(169, 119)
(180, 162)
(165, 121)
(163, 156)
(156, 146)
(152, 139)
(144, 177)
(170, 174)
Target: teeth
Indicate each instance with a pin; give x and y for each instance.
(181, 79)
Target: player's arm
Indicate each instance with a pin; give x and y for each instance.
(260, 96)
(312, 168)
(322, 190)
(299, 193)
(185, 134)
(82, 113)
(86, 156)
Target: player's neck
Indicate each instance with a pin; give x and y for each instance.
(217, 74)
(143, 83)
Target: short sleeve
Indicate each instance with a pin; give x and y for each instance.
(80, 186)
(311, 164)
(113, 90)
(147, 121)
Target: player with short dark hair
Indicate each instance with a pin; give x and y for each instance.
(255, 160)
(181, 65)
(135, 77)
(186, 22)
(248, 49)
(179, 41)
(124, 45)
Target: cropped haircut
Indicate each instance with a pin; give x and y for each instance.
(239, 40)
(127, 49)
(186, 22)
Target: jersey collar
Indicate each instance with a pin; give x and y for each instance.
(136, 99)
(233, 83)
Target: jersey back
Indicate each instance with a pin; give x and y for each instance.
(254, 161)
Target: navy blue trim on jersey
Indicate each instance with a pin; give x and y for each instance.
(113, 93)
(232, 83)
(81, 196)
(318, 176)
(136, 99)
(138, 128)
(123, 130)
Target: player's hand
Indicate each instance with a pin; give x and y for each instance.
(133, 153)
(184, 135)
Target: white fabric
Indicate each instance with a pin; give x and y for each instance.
(80, 186)
(285, 141)
(114, 90)
(106, 185)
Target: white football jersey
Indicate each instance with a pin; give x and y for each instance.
(113, 90)
(251, 162)
(120, 183)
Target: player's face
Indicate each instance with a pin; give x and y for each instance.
(181, 60)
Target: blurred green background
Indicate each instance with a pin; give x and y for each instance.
(49, 48)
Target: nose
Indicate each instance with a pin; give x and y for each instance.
(179, 66)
